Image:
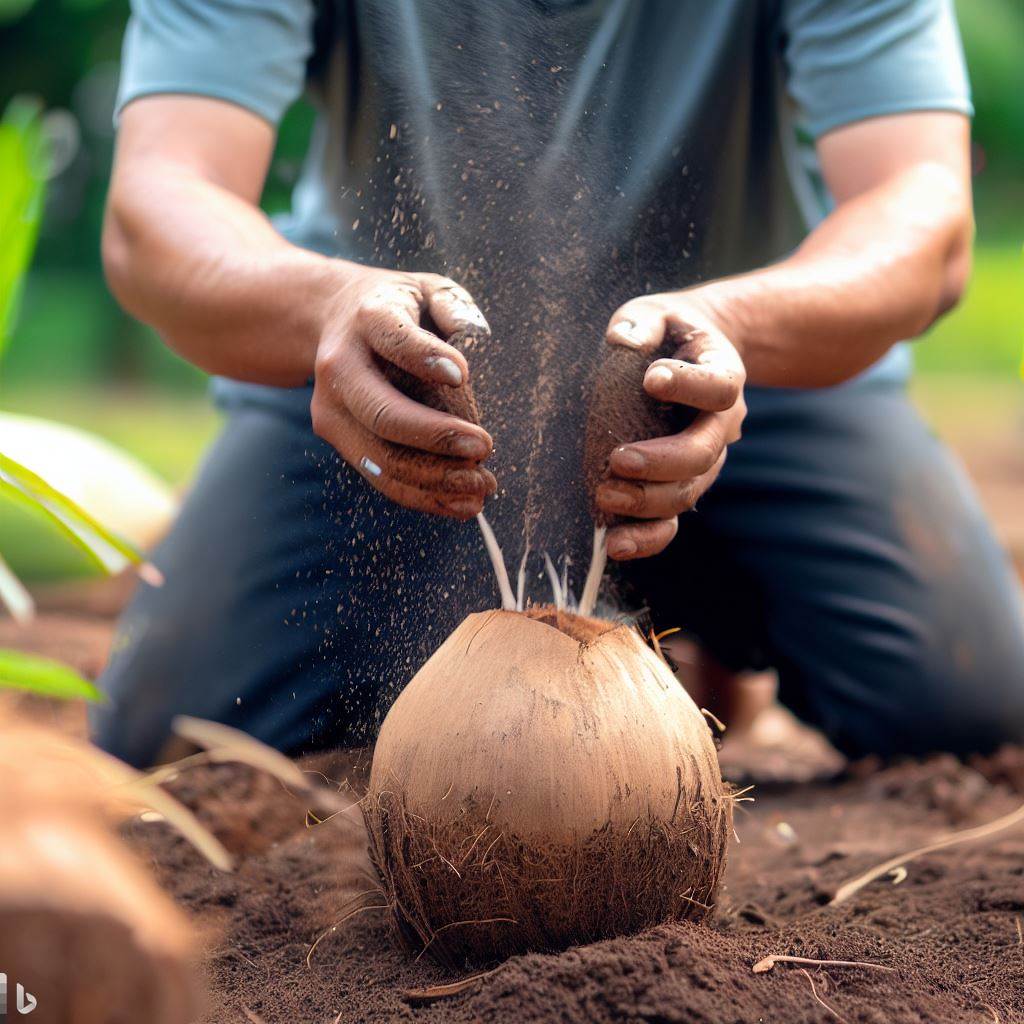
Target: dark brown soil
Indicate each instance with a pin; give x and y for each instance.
(952, 930)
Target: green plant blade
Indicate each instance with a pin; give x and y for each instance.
(14, 596)
(111, 553)
(23, 160)
(44, 677)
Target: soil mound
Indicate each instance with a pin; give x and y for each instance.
(952, 929)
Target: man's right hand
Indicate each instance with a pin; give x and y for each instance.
(419, 457)
(187, 249)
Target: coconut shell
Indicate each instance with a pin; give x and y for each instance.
(621, 412)
(83, 927)
(457, 401)
(542, 781)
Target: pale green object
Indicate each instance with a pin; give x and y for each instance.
(122, 507)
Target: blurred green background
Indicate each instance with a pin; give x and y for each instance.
(77, 358)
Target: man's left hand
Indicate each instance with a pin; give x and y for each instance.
(655, 480)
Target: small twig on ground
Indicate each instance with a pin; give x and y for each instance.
(814, 992)
(253, 1018)
(434, 993)
(848, 889)
(780, 958)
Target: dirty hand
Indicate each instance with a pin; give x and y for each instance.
(418, 456)
(656, 480)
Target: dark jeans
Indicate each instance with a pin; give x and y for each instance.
(842, 546)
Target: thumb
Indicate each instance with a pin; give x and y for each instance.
(638, 325)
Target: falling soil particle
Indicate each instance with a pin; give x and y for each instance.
(951, 930)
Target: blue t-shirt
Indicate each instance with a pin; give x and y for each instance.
(557, 157)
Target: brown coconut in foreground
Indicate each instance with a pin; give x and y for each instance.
(544, 780)
(84, 929)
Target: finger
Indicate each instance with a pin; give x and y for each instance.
(656, 500)
(425, 482)
(640, 540)
(638, 325)
(357, 383)
(388, 321)
(714, 384)
(647, 500)
(678, 457)
(452, 308)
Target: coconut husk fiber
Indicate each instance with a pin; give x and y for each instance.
(543, 781)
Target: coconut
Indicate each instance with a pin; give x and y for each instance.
(83, 926)
(543, 780)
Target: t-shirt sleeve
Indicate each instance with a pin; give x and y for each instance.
(249, 52)
(846, 60)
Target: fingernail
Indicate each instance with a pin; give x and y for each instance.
(622, 548)
(627, 331)
(614, 500)
(473, 316)
(445, 371)
(370, 466)
(465, 508)
(628, 459)
(468, 447)
(658, 377)
(464, 481)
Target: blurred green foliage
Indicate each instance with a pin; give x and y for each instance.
(71, 332)
(22, 185)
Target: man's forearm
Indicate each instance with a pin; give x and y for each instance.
(210, 273)
(880, 268)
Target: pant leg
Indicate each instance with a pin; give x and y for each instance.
(297, 601)
(845, 547)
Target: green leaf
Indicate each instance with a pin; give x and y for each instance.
(111, 553)
(23, 160)
(14, 596)
(44, 677)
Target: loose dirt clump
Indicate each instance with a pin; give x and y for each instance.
(299, 933)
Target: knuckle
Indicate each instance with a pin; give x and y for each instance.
(382, 416)
(319, 420)
(685, 497)
(705, 453)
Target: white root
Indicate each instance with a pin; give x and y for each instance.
(598, 561)
(521, 580)
(556, 584)
(508, 600)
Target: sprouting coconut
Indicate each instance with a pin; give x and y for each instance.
(544, 780)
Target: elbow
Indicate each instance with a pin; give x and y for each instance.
(957, 240)
(957, 269)
(116, 251)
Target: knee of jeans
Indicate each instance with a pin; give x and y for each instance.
(945, 715)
